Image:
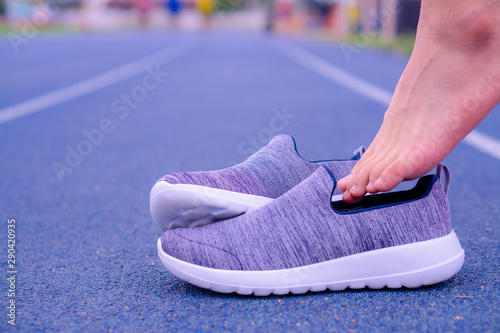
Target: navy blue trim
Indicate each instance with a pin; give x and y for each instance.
(376, 201)
(334, 182)
(331, 175)
(354, 158)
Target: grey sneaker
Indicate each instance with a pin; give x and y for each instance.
(303, 241)
(190, 199)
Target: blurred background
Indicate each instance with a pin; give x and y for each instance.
(388, 19)
(100, 98)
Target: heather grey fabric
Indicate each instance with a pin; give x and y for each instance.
(302, 228)
(270, 172)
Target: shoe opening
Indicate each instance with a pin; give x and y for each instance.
(421, 190)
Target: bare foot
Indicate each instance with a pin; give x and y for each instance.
(451, 82)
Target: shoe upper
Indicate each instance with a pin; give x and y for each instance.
(304, 227)
(270, 172)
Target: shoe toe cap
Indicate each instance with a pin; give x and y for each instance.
(178, 244)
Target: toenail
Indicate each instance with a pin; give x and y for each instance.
(379, 182)
(353, 188)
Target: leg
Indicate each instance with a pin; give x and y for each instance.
(451, 82)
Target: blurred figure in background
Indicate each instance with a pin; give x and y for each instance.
(206, 7)
(173, 7)
(143, 8)
(3, 12)
(270, 13)
(354, 17)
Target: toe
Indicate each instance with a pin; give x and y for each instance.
(347, 198)
(357, 191)
(370, 188)
(390, 177)
(342, 184)
(356, 186)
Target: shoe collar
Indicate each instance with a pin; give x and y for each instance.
(356, 154)
(421, 190)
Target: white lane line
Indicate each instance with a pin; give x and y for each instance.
(93, 84)
(335, 74)
(484, 143)
(476, 139)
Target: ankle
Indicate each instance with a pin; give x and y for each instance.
(469, 28)
(479, 33)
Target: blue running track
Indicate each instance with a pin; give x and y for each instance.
(89, 122)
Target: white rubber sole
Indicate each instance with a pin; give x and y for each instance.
(184, 205)
(411, 265)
